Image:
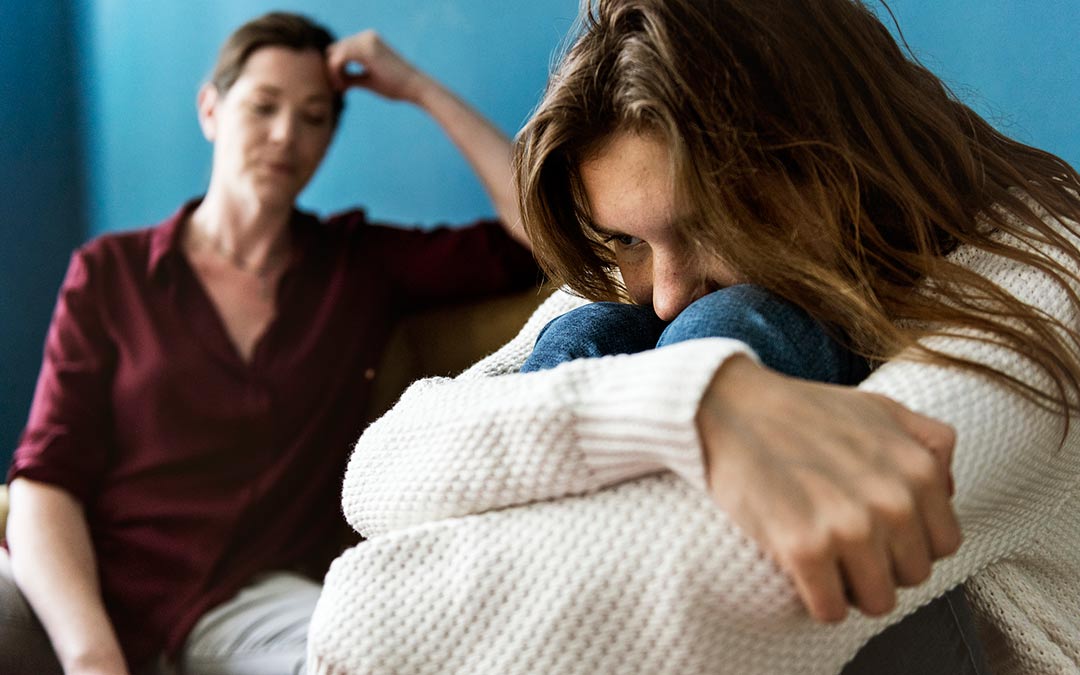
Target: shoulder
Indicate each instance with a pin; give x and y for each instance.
(355, 222)
(377, 238)
(117, 244)
(352, 225)
(113, 252)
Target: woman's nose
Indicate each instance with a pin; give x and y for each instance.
(282, 128)
(674, 286)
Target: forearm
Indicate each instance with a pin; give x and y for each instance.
(648, 576)
(484, 146)
(54, 565)
(456, 447)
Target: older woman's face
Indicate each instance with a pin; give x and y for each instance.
(271, 129)
(630, 188)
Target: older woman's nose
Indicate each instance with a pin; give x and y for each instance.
(283, 127)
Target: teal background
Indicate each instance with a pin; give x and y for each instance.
(97, 106)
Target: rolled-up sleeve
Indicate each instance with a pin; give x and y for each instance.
(66, 435)
(456, 263)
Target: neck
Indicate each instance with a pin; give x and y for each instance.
(250, 236)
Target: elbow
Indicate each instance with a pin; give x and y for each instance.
(379, 493)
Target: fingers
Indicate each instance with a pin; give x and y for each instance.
(819, 584)
(940, 522)
(847, 562)
(866, 538)
(848, 491)
(909, 553)
(867, 569)
(932, 482)
(356, 50)
(364, 60)
(831, 575)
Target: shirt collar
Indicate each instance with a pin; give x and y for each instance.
(165, 239)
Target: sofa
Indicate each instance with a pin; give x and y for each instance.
(439, 341)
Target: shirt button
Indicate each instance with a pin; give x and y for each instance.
(369, 374)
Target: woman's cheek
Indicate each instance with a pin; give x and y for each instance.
(637, 277)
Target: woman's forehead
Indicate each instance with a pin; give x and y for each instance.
(287, 72)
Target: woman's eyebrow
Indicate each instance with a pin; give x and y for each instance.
(268, 89)
(677, 222)
(274, 90)
(600, 229)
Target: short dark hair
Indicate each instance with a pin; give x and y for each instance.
(276, 29)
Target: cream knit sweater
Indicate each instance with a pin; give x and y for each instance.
(530, 523)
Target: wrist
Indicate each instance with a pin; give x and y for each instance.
(96, 660)
(739, 378)
(425, 91)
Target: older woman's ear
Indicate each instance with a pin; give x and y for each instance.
(207, 102)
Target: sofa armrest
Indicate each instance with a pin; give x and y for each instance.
(3, 510)
(446, 340)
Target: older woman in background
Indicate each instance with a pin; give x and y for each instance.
(174, 494)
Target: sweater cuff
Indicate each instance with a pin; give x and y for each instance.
(638, 412)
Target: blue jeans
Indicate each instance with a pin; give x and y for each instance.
(940, 638)
(784, 337)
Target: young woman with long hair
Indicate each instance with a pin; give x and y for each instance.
(685, 149)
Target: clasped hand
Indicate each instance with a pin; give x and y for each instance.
(381, 69)
(849, 492)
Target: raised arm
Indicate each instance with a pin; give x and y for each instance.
(485, 147)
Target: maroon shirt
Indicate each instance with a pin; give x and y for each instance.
(198, 470)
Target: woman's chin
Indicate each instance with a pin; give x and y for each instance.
(274, 194)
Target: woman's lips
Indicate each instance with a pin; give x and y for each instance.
(282, 167)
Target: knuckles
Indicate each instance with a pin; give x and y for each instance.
(922, 471)
(892, 505)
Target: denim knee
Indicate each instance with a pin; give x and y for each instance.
(590, 331)
(784, 337)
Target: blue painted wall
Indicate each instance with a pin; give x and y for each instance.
(97, 103)
(149, 58)
(41, 209)
(1016, 63)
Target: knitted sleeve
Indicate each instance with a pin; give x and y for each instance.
(494, 438)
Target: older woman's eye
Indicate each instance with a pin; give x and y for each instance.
(263, 109)
(317, 119)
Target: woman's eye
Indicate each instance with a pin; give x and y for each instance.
(625, 240)
(316, 120)
(263, 109)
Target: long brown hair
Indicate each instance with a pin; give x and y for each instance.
(821, 162)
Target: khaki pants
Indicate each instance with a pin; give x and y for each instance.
(261, 631)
